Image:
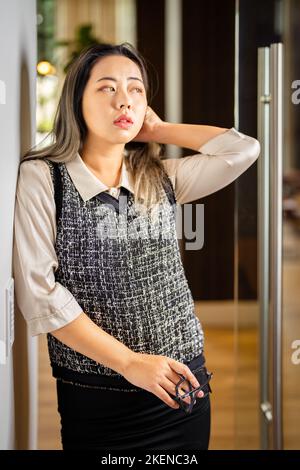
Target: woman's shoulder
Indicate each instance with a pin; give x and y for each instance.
(36, 173)
(31, 162)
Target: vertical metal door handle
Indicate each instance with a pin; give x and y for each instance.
(276, 158)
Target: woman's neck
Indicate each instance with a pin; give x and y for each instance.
(106, 165)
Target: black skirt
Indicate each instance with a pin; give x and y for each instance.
(100, 419)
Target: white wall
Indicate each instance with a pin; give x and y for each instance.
(18, 371)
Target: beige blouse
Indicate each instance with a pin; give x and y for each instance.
(46, 304)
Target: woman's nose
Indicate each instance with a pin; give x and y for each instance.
(123, 99)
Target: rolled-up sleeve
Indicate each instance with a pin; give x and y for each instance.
(219, 162)
(45, 304)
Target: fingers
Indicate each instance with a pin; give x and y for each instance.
(165, 397)
(184, 370)
(170, 387)
(170, 373)
(175, 378)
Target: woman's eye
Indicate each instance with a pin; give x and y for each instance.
(111, 87)
(106, 87)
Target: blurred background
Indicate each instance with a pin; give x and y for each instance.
(229, 63)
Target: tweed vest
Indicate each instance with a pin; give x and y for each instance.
(125, 271)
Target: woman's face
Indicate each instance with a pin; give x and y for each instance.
(103, 99)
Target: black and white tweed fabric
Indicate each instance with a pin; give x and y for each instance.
(125, 271)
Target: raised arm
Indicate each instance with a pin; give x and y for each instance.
(219, 161)
(191, 136)
(223, 155)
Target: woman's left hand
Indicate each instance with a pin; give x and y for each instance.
(151, 121)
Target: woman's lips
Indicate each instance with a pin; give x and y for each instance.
(123, 124)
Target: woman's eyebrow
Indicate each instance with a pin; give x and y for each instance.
(112, 78)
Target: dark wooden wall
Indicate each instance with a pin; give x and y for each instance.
(150, 21)
(208, 98)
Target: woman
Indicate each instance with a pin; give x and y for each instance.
(113, 299)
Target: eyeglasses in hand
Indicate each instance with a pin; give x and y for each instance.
(203, 378)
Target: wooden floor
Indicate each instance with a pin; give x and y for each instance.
(219, 355)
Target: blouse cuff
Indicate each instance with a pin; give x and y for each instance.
(58, 319)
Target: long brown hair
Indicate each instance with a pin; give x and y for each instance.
(142, 160)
